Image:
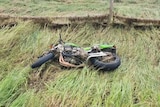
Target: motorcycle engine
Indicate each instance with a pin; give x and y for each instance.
(74, 55)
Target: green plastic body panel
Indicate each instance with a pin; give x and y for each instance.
(87, 48)
(72, 44)
(104, 46)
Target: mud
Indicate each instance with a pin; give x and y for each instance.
(38, 77)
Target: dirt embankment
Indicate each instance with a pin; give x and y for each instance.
(52, 21)
(135, 21)
(61, 21)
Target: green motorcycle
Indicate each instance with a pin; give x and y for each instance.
(69, 55)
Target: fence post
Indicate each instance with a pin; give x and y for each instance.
(111, 11)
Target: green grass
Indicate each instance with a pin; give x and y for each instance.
(52, 7)
(130, 8)
(135, 83)
(10, 86)
(136, 8)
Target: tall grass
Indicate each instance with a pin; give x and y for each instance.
(134, 83)
(10, 86)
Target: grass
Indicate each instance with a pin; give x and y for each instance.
(142, 9)
(51, 7)
(135, 83)
(10, 86)
(130, 8)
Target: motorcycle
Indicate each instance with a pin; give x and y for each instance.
(69, 55)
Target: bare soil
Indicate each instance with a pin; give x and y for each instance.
(42, 75)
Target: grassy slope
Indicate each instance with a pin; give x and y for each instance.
(134, 83)
(131, 8)
(52, 7)
(139, 8)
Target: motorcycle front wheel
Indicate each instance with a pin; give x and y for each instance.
(42, 60)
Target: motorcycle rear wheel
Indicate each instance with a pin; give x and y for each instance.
(99, 64)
